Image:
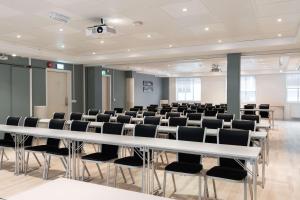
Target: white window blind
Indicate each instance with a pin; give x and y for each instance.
(293, 87)
(248, 89)
(188, 89)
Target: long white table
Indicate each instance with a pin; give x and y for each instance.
(64, 189)
(250, 154)
(262, 110)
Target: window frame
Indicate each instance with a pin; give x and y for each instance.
(194, 79)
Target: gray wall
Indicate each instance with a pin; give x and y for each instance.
(165, 88)
(145, 99)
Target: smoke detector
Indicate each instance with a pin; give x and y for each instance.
(215, 68)
(3, 57)
(59, 17)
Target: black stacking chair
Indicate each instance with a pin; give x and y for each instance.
(154, 105)
(177, 121)
(148, 113)
(210, 113)
(152, 109)
(230, 169)
(255, 118)
(227, 118)
(249, 112)
(58, 115)
(51, 143)
(194, 116)
(181, 109)
(220, 110)
(163, 111)
(212, 124)
(200, 110)
(8, 140)
(152, 120)
(134, 109)
(136, 160)
(248, 125)
(118, 110)
(140, 108)
(93, 112)
(108, 152)
(30, 122)
(124, 119)
(110, 112)
(264, 114)
(63, 153)
(185, 112)
(76, 116)
(175, 104)
(186, 164)
(208, 105)
(102, 118)
(172, 114)
(131, 113)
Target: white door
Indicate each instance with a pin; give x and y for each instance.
(106, 92)
(58, 91)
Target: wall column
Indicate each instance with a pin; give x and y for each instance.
(233, 83)
(129, 90)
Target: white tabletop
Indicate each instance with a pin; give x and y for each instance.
(65, 189)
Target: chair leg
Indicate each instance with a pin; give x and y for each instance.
(155, 173)
(37, 159)
(45, 165)
(162, 160)
(245, 188)
(174, 184)
(250, 189)
(215, 189)
(200, 188)
(1, 158)
(206, 193)
(116, 176)
(5, 155)
(48, 166)
(130, 173)
(164, 184)
(99, 170)
(108, 173)
(82, 171)
(167, 159)
(63, 162)
(26, 163)
(122, 172)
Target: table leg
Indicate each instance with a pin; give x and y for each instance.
(254, 179)
(263, 142)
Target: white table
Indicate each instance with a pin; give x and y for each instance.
(64, 189)
(262, 110)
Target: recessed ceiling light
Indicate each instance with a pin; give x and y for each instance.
(279, 35)
(280, 71)
(19, 36)
(62, 46)
(220, 41)
(61, 30)
(101, 41)
(279, 20)
(170, 45)
(206, 28)
(94, 53)
(184, 9)
(13, 55)
(149, 36)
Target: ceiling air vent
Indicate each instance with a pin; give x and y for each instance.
(59, 17)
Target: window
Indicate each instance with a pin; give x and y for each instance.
(293, 87)
(248, 89)
(188, 89)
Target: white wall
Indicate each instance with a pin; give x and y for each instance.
(213, 89)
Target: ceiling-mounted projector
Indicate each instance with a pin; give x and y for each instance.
(99, 29)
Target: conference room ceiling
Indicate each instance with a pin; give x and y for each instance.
(171, 28)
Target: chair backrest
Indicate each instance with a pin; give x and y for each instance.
(57, 124)
(79, 126)
(225, 117)
(185, 112)
(148, 113)
(110, 112)
(243, 125)
(154, 105)
(163, 111)
(125, 119)
(131, 113)
(113, 129)
(249, 112)
(175, 104)
(103, 117)
(139, 107)
(172, 114)
(264, 114)
(201, 110)
(118, 110)
(194, 134)
(177, 121)
(212, 123)
(182, 109)
(220, 110)
(194, 116)
(152, 120)
(134, 109)
(12, 121)
(76, 116)
(93, 112)
(194, 107)
(30, 122)
(58, 115)
(152, 109)
(233, 137)
(210, 113)
(251, 117)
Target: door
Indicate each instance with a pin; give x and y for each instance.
(58, 91)
(106, 93)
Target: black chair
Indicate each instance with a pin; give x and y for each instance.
(249, 112)
(8, 140)
(194, 116)
(58, 115)
(177, 121)
(63, 153)
(230, 169)
(131, 113)
(110, 112)
(140, 108)
(30, 122)
(175, 104)
(255, 118)
(225, 117)
(108, 152)
(136, 160)
(264, 114)
(185, 112)
(248, 125)
(212, 124)
(194, 107)
(118, 110)
(181, 109)
(163, 111)
(152, 109)
(186, 164)
(148, 113)
(200, 110)
(152, 120)
(134, 109)
(102, 118)
(210, 113)
(51, 143)
(220, 110)
(208, 105)
(124, 119)
(172, 114)
(76, 116)
(154, 105)
(93, 112)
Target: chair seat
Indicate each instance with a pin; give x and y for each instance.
(5, 143)
(40, 148)
(58, 151)
(130, 161)
(189, 168)
(99, 157)
(227, 173)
